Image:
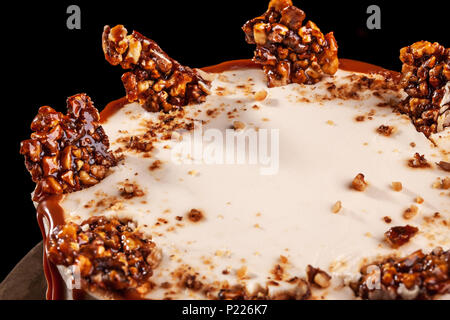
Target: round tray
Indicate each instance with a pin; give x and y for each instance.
(26, 281)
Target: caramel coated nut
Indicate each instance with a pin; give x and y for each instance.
(155, 80)
(67, 153)
(358, 183)
(417, 276)
(110, 254)
(289, 51)
(425, 78)
(399, 236)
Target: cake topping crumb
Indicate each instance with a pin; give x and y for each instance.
(241, 273)
(397, 186)
(419, 200)
(444, 165)
(195, 215)
(418, 161)
(238, 125)
(442, 183)
(359, 184)
(386, 131)
(387, 219)
(261, 95)
(130, 190)
(337, 207)
(398, 236)
(411, 212)
(318, 277)
(155, 165)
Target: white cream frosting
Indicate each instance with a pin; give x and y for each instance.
(444, 112)
(252, 219)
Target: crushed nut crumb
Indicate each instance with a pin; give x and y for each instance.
(397, 186)
(411, 212)
(418, 161)
(337, 207)
(359, 184)
(261, 95)
(195, 215)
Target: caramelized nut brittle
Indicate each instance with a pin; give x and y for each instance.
(399, 236)
(418, 276)
(289, 51)
(418, 161)
(425, 78)
(111, 255)
(67, 153)
(155, 80)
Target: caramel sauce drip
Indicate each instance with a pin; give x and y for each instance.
(50, 210)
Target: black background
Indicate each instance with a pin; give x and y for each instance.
(43, 63)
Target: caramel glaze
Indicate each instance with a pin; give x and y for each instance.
(112, 108)
(50, 209)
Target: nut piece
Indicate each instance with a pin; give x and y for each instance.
(111, 255)
(289, 51)
(418, 276)
(444, 165)
(386, 131)
(425, 78)
(156, 81)
(359, 184)
(397, 186)
(337, 207)
(238, 125)
(261, 95)
(318, 277)
(418, 161)
(442, 183)
(398, 236)
(67, 153)
(411, 212)
(195, 215)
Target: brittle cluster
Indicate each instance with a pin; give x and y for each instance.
(289, 51)
(67, 153)
(110, 254)
(418, 276)
(425, 78)
(155, 80)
